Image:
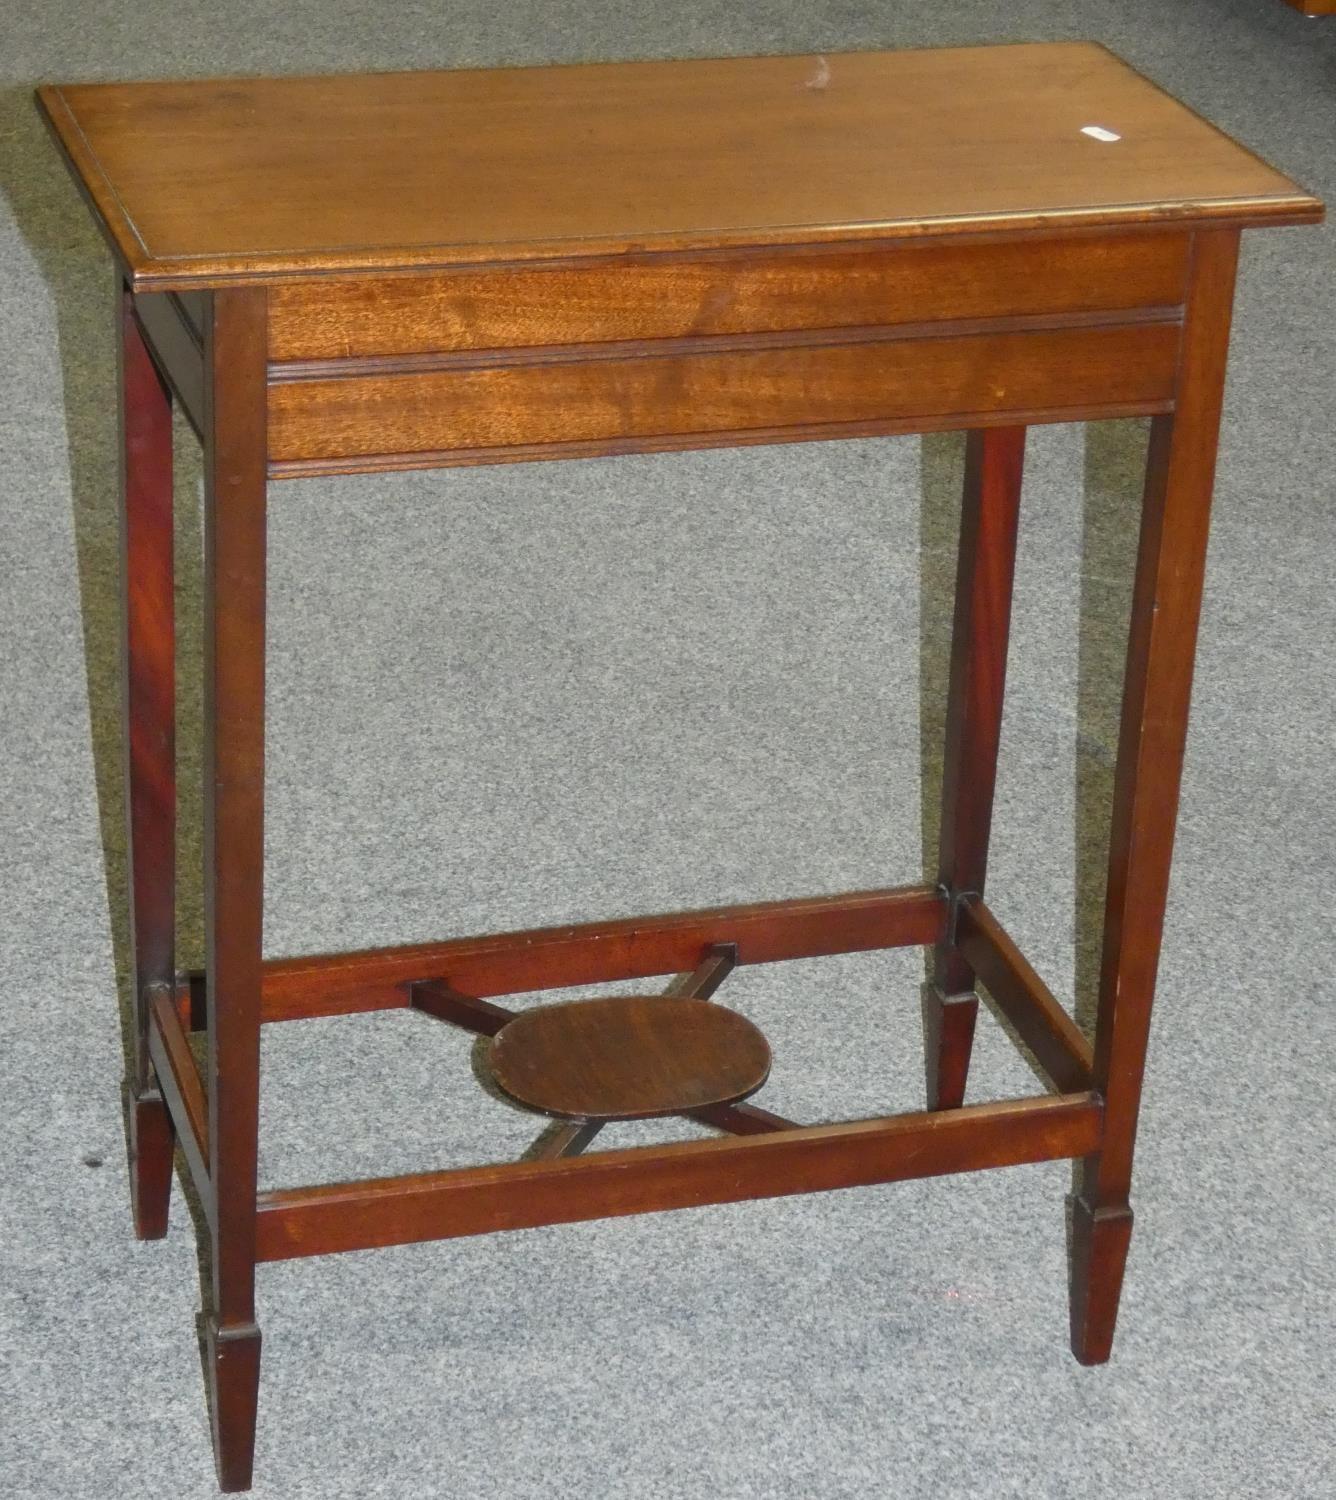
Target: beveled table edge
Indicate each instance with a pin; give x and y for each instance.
(148, 272)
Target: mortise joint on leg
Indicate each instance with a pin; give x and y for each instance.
(952, 901)
(955, 901)
(230, 1333)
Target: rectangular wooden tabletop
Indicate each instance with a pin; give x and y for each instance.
(209, 182)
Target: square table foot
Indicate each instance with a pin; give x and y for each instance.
(948, 1039)
(232, 1369)
(1099, 1241)
(151, 1143)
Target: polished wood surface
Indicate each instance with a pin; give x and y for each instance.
(666, 297)
(335, 1217)
(509, 963)
(1056, 1042)
(416, 270)
(1039, 345)
(148, 675)
(980, 634)
(628, 1057)
(235, 563)
(201, 183)
(436, 998)
(1157, 692)
(179, 1079)
(863, 382)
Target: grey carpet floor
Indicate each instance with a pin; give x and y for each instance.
(532, 694)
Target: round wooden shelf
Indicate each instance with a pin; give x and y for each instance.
(628, 1057)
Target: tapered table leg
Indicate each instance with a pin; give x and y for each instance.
(234, 636)
(1161, 649)
(148, 675)
(990, 513)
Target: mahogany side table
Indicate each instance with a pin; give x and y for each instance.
(357, 273)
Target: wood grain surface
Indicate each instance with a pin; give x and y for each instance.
(765, 291)
(235, 565)
(601, 952)
(628, 1057)
(1054, 1039)
(204, 182)
(406, 270)
(865, 380)
(976, 690)
(148, 679)
(327, 1218)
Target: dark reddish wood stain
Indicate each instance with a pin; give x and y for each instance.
(642, 397)
(182, 1087)
(569, 1138)
(1099, 1243)
(809, 1159)
(234, 634)
(178, 347)
(601, 952)
(1057, 1042)
(742, 1119)
(232, 1355)
(655, 298)
(624, 1065)
(433, 997)
(149, 728)
(1161, 651)
(628, 1057)
(948, 1040)
(639, 289)
(989, 519)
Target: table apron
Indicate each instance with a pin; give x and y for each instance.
(649, 352)
(665, 296)
(417, 411)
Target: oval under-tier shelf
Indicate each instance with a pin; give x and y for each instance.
(628, 1057)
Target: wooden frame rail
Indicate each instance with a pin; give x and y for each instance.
(709, 943)
(181, 1086)
(1058, 1044)
(323, 1220)
(600, 952)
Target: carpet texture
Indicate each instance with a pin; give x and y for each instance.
(543, 693)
